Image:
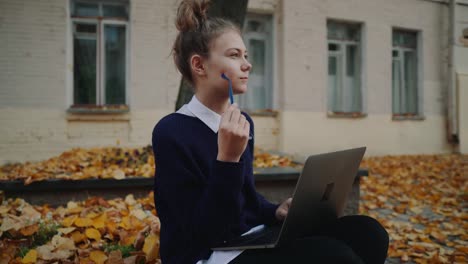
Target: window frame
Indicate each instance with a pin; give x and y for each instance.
(269, 41)
(343, 52)
(417, 50)
(100, 22)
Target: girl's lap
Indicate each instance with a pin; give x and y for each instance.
(350, 239)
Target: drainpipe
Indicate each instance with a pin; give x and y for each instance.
(452, 128)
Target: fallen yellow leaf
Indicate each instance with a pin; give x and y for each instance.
(77, 236)
(31, 257)
(99, 222)
(151, 247)
(97, 256)
(68, 221)
(125, 223)
(111, 226)
(83, 222)
(66, 230)
(93, 234)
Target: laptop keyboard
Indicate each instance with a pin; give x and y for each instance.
(269, 236)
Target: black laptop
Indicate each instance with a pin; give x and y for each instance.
(319, 197)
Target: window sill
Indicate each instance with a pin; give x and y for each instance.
(262, 112)
(98, 113)
(98, 109)
(403, 117)
(346, 115)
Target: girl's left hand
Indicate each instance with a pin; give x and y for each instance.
(282, 210)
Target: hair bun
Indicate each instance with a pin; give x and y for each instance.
(191, 14)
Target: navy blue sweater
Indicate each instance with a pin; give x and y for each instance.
(201, 201)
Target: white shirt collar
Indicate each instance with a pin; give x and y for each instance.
(197, 109)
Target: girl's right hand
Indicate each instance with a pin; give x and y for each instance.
(233, 135)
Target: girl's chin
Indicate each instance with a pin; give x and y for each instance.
(240, 90)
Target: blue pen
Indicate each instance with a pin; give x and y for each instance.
(231, 96)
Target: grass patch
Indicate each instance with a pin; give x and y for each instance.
(125, 250)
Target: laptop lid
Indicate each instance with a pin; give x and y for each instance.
(321, 192)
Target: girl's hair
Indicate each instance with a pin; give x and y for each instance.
(196, 31)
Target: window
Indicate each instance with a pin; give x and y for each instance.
(99, 52)
(258, 41)
(344, 68)
(404, 74)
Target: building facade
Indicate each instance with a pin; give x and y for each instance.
(388, 74)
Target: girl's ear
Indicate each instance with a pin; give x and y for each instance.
(196, 63)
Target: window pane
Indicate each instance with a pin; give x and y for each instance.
(115, 54)
(352, 94)
(86, 10)
(85, 28)
(84, 70)
(257, 54)
(409, 39)
(332, 66)
(404, 39)
(396, 87)
(343, 31)
(332, 30)
(335, 31)
(258, 39)
(115, 11)
(334, 83)
(255, 26)
(351, 61)
(333, 47)
(352, 32)
(411, 91)
(396, 39)
(256, 96)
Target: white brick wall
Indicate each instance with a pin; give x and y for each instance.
(154, 79)
(35, 72)
(32, 53)
(315, 133)
(32, 134)
(266, 132)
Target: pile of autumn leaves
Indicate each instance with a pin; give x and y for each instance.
(78, 164)
(423, 203)
(106, 163)
(92, 231)
(421, 200)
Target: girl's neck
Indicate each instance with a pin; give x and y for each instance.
(216, 103)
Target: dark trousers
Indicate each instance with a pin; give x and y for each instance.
(350, 239)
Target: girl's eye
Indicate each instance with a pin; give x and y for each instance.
(234, 55)
(246, 57)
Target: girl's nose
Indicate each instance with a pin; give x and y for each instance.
(246, 66)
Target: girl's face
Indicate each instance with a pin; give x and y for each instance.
(228, 55)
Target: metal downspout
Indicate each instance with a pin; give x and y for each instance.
(452, 128)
